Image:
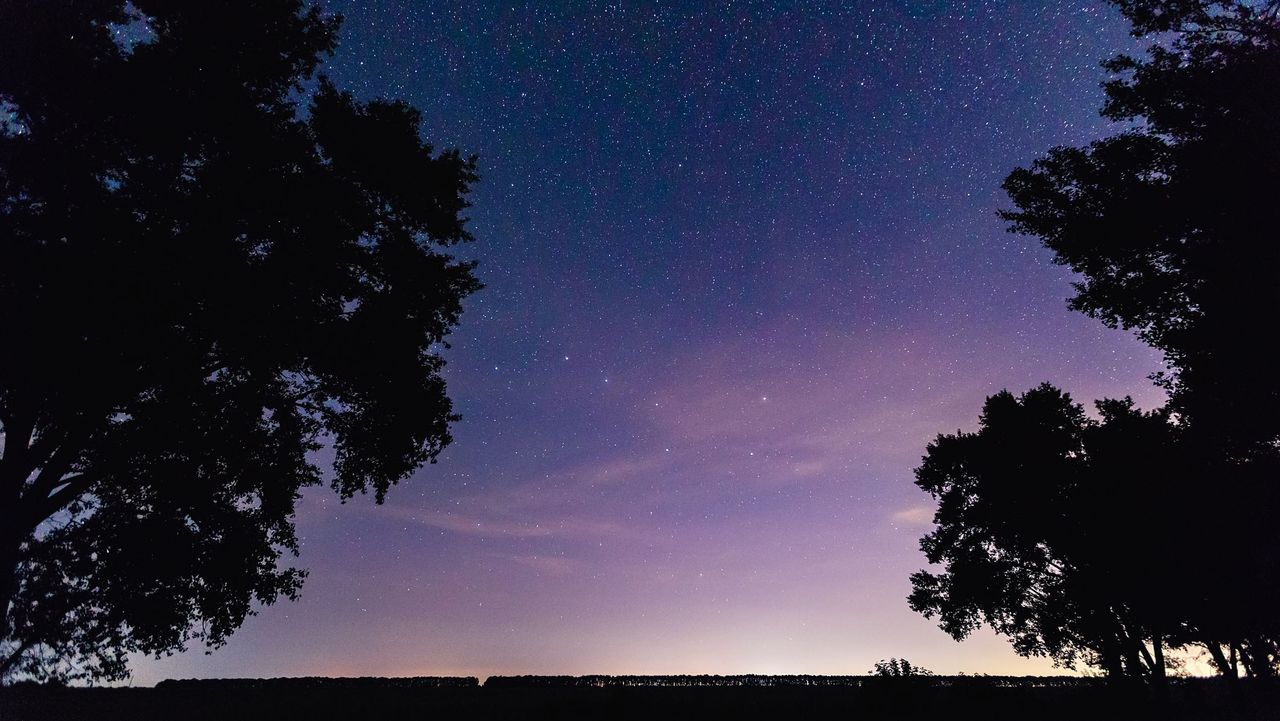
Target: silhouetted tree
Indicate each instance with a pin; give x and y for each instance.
(212, 263)
(1171, 223)
(898, 668)
(1051, 529)
(1172, 226)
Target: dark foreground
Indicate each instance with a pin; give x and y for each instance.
(854, 700)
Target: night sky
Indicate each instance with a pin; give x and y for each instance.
(741, 266)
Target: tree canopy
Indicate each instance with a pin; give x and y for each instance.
(1056, 529)
(1052, 529)
(215, 262)
(1170, 223)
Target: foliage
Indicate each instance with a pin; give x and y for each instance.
(1057, 530)
(215, 263)
(1171, 223)
(1041, 532)
(898, 668)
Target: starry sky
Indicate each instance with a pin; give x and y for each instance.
(742, 264)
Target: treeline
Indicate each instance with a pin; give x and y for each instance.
(670, 680)
(318, 682)
(368, 683)
(769, 680)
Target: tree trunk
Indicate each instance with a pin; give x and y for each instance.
(1133, 659)
(1253, 659)
(1157, 652)
(1226, 668)
(1258, 660)
(10, 546)
(1146, 666)
(1112, 663)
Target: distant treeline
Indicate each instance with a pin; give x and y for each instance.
(790, 680)
(676, 680)
(301, 682)
(601, 681)
(646, 698)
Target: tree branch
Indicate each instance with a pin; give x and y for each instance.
(8, 662)
(72, 488)
(51, 491)
(51, 472)
(17, 448)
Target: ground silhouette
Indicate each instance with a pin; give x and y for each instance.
(643, 698)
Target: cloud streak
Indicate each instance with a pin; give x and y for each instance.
(913, 516)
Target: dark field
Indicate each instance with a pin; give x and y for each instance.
(849, 698)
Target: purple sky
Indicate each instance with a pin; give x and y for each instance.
(741, 267)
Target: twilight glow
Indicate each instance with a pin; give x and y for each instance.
(741, 266)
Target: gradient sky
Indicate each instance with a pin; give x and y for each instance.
(741, 265)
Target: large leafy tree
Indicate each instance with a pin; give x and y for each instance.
(1173, 229)
(1052, 530)
(212, 262)
(1172, 224)
(1056, 529)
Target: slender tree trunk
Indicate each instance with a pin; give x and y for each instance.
(1133, 658)
(1146, 664)
(11, 481)
(1260, 658)
(1252, 658)
(10, 548)
(10, 544)
(1226, 668)
(1143, 666)
(1113, 665)
(1157, 652)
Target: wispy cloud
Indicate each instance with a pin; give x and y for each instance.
(496, 526)
(550, 565)
(913, 516)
